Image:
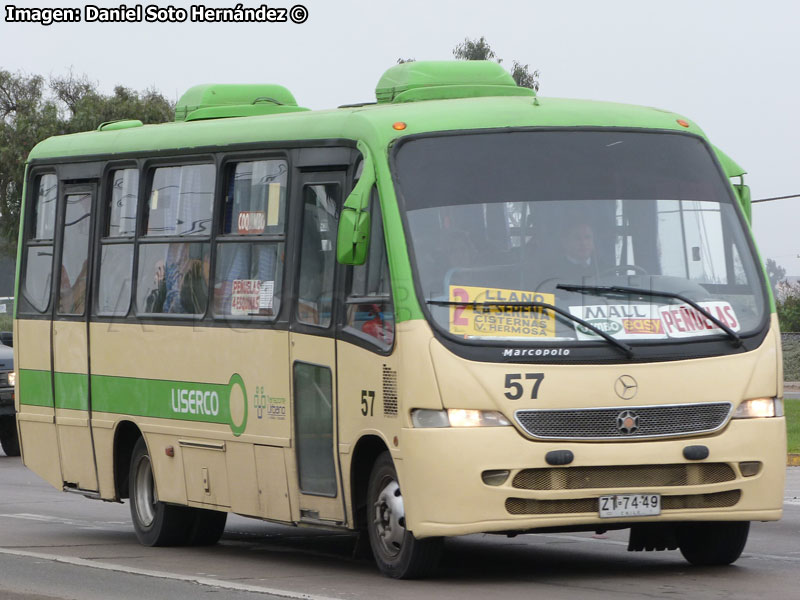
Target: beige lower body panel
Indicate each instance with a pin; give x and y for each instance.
(443, 493)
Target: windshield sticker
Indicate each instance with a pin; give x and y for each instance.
(503, 320)
(622, 321)
(682, 321)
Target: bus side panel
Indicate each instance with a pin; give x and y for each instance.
(36, 414)
(147, 374)
(271, 470)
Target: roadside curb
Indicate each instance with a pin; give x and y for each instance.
(793, 460)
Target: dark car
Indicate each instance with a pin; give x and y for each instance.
(8, 426)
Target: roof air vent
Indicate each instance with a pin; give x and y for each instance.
(217, 101)
(441, 79)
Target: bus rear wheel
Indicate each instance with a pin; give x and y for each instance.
(397, 552)
(712, 543)
(207, 527)
(155, 523)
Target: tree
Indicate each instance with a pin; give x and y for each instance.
(776, 274)
(32, 110)
(481, 50)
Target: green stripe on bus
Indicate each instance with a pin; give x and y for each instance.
(34, 388)
(159, 398)
(72, 391)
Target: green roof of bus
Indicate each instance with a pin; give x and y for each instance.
(371, 123)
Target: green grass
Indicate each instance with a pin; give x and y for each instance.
(791, 360)
(792, 408)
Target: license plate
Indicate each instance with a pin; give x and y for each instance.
(629, 505)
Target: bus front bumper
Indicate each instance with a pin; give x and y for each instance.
(440, 473)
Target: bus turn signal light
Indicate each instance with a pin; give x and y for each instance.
(399, 126)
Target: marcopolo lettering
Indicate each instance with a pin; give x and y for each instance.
(195, 402)
(536, 352)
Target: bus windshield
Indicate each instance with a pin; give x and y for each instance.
(501, 223)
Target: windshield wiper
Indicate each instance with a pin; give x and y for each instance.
(619, 290)
(621, 345)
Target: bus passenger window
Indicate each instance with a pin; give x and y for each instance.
(318, 254)
(248, 281)
(250, 250)
(172, 277)
(39, 253)
(116, 256)
(369, 301)
(255, 199)
(181, 201)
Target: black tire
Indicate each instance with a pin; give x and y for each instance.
(155, 523)
(396, 551)
(207, 527)
(712, 543)
(8, 436)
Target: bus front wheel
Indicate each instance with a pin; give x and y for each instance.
(397, 552)
(155, 523)
(712, 543)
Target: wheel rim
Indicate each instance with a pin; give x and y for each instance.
(145, 492)
(389, 518)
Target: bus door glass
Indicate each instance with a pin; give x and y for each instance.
(312, 349)
(71, 342)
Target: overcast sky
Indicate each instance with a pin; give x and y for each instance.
(731, 66)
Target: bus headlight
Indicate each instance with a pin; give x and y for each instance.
(12, 378)
(457, 417)
(758, 408)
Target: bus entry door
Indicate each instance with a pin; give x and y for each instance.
(71, 341)
(313, 353)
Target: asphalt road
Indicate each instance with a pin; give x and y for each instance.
(60, 546)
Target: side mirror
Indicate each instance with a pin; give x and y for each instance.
(352, 239)
(743, 195)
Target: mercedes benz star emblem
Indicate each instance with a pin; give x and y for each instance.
(627, 422)
(626, 387)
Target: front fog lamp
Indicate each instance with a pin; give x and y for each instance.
(758, 408)
(457, 417)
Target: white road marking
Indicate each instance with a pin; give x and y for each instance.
(85, 524)
(206, 581)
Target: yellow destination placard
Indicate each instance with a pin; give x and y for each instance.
(471, 319)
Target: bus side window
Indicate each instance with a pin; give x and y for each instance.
(116, 254)
(317, 254)
(173, 275)
(370, 311)
(250, 254)
(39, 252)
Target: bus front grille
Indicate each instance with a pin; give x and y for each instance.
(626, 476)
(528, 506)
(624, 422)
